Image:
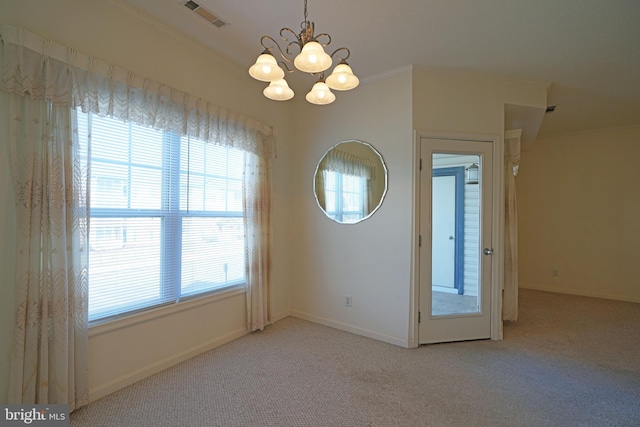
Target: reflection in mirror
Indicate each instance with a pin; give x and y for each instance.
(455, 234)
(350, 182)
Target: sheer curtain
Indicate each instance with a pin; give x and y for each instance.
(46, 81)
(512, 163)
(347, 164)
(47, 70)
(257, 226)
(49, 355)
(319, 188)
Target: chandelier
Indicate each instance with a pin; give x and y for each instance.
(306, 52)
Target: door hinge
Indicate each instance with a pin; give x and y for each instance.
(420, 241)
(419, 317)
(420, 164)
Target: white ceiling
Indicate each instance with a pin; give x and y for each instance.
(587, 50)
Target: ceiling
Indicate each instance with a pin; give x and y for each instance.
(587, 50)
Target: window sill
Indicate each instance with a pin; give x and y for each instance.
(111, 325)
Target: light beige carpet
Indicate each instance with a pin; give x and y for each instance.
(568, 361)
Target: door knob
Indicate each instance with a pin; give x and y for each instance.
(451, 238)
(488, 251)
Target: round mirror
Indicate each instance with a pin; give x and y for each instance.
(350, 182)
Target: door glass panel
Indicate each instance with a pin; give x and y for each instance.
(455, 234)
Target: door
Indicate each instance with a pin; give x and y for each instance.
(448, 229)
(445, 315)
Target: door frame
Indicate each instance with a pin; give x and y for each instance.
(458, 252)
(497, 259)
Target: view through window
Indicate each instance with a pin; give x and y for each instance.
(344, 196)
(166, 219)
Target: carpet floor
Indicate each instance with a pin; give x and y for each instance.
(567, 361)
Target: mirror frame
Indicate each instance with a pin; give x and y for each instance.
(384, 170)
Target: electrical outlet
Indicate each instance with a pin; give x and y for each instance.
(347, 300)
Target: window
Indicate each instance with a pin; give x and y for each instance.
(166, 219)
(344, 196)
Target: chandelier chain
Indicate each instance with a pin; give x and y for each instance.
(305, 11)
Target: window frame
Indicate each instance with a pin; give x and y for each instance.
(171, 232)
(339, 213)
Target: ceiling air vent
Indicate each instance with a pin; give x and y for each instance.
(204, 13)
(550, 109)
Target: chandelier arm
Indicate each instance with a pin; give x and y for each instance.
(292, 52)
(323, 35)
(339, 56)
(293, 38)
(273, 42)
(285, 65)
(270, 44)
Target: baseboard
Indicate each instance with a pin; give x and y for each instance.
(128, 379)
(353, 329)
(281, 315)
(579, 292)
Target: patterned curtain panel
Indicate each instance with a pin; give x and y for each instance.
(47, 70)
(257, 225)
(348, 164)
(46, 82)
(50, 351)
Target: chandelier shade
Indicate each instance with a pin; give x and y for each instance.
(266, 68)
(320, 94)
(310, 58)
(342, 78)
(278, 90)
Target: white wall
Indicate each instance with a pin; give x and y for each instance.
(579, 211)
(110, 32)
(458, 102)
(370, 260)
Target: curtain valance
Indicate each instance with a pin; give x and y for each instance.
(348, 164)
(44, 69)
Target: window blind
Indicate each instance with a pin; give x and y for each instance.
(166, 220)
(344, 196)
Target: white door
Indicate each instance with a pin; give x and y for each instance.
(446, 316)
(444, 230)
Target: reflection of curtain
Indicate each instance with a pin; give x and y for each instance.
(512, 162)
(348, 164)
(49, 359)
(257, 207)
(320, 189)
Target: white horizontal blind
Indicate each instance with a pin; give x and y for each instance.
(344, 196)
(165, 219)
(211, 206)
